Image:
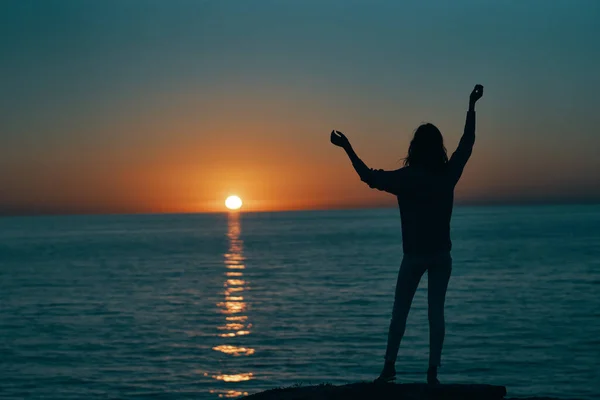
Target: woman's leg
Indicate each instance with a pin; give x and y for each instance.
(411, 271)
(438, 275)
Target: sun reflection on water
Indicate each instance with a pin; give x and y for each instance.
(234, 377)
(233, 307)
(230, 393)
(232, 327)
(234, 350)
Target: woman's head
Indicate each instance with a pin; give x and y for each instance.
(427, 149)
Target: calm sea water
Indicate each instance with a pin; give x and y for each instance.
(202, 306)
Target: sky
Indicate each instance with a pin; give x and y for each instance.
(145, 106)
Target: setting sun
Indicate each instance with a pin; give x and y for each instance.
(233, 202)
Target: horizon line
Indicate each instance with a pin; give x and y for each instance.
(482, 204)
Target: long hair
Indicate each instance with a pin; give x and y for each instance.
(427, 149)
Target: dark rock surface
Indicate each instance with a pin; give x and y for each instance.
(372, 391)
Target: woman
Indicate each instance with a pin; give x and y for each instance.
(424, 188)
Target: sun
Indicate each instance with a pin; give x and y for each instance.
(233, 202)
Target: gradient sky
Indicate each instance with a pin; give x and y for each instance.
(169, 106)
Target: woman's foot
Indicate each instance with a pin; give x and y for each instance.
(432, 375)
(388, 374)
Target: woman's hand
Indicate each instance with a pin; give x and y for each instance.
(476, 94)
(339, 139)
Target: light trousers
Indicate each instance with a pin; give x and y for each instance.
(439, 268)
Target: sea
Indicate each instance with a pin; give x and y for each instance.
(208, 306)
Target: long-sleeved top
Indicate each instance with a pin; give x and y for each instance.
(426, 198)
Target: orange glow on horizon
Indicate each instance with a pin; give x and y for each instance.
(267, 179)
(248, 155)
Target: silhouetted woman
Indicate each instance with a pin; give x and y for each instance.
(424, 188)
